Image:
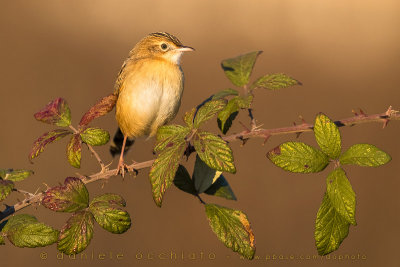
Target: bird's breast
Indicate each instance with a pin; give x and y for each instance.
(149, 97)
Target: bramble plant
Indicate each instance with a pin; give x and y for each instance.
(213, 158)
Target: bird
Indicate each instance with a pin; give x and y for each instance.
(149, 88)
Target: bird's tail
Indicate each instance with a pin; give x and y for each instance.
(116, 146)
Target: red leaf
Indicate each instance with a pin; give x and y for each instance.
(56, 112)
(47, 138)
(105, 105)
(70, 197)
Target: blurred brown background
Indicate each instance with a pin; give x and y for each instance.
(346, 53)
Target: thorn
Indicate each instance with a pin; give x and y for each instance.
(103, 183)
(80, 176)
(362, 112)
(47, 187)
(105, 168)
(298, 134)
(302, 119)
(266, 137)
(391, 111)
(294, 123)
(354, 112)
(244, 126)
(244, 141)
(25, 193)
(385, 123)
(337, 163)
(258, 127)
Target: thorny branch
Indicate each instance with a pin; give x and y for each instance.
(384, 118)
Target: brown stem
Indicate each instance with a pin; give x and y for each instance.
(36, 198)
(73, 129)
(384, 118)
(94, 153)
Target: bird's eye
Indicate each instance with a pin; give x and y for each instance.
(164, 46)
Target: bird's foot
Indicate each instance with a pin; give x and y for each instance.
(121, 168)
(132, 169)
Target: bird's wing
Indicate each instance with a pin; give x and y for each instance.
(119, 83)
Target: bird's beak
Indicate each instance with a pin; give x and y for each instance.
(184, 49)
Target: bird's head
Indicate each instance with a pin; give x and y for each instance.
(160, 45)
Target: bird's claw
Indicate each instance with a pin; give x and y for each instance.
(121, 168)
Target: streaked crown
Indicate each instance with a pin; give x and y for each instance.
(167, 37)
(159, 45)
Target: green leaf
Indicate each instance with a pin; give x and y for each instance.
(2, 234)
(24, 230)
(224, 93)
(19, 219)
(47, 138)
(76, 234)
(328, 136)
(330, 228)
(170, 135)
(74, 151)
(73, 196)
(203, 175)
(163, 170)
(245, 101)
(364, 155)
(232, 228)
(15, 175)
(108, 214)
(341, 194)
(238, 69)
(207, 111)
(6, 188)
(56, 112)
(188, 118)
(224, 123)
(214, 151)
(95, 136)
(183, 181)
(274, 81)
(298, 157)
(110, 199)
(229, 113)
(221, 188)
